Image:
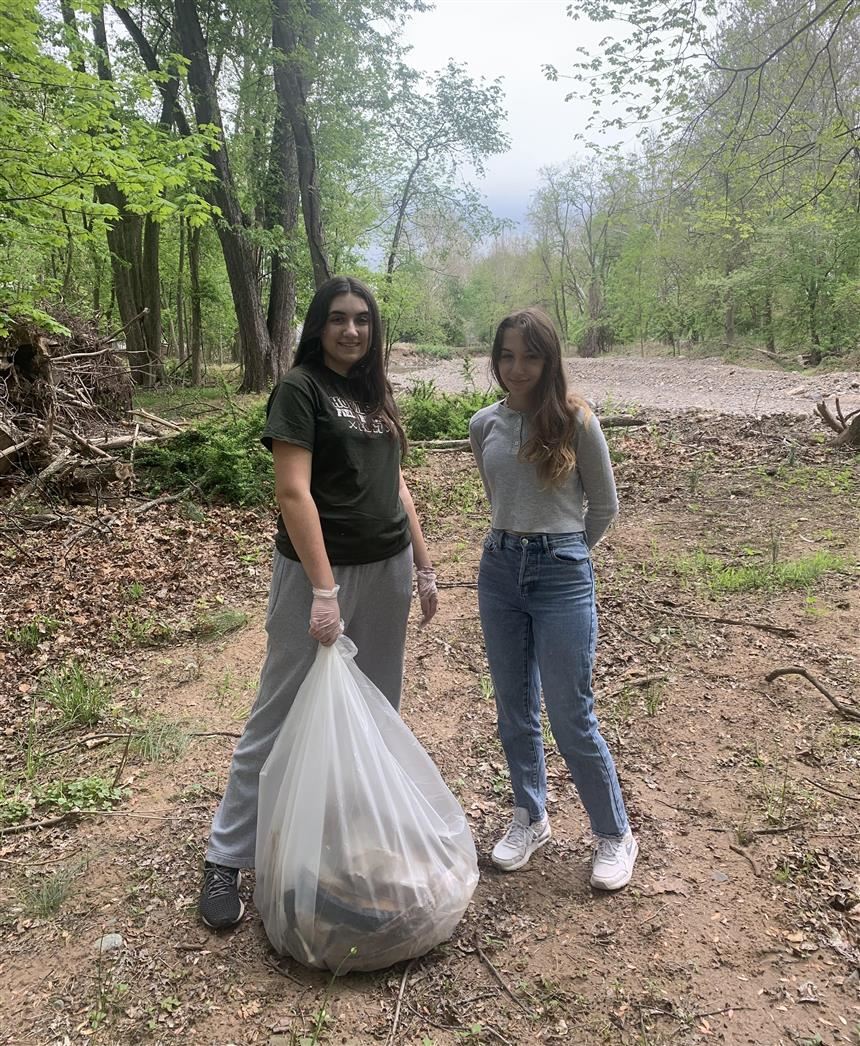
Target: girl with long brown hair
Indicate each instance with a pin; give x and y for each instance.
(547, 473)
(348, 536)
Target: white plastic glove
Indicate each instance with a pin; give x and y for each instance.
(326, 624)
(427, 594)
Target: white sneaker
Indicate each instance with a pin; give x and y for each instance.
(613, 860)
(520, 841)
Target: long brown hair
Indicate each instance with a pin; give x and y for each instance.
(368, 375)
(554, 423)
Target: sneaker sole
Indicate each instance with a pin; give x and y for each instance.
(516, 865)
(236, 921)
(609, 887)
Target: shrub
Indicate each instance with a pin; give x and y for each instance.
(429, 414)
(223, 460)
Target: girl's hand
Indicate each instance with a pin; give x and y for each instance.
(326, 624)
(427, 594)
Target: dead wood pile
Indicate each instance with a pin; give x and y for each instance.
(65, 405)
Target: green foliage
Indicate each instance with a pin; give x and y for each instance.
(721, 577)
(14, 808)
(64, 134)
(429, 414)
(82, 793)
(29, 636)
(81, 697)
(222, 460)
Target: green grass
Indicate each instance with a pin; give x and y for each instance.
(216, 623)
(29, 636)
(45, 898)
(140, 630)
(159, 741)
(82, 698)
(721, 577)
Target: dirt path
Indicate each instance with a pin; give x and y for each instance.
(742, 925)
(668, 384)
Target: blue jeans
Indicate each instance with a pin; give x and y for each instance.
(536, 599)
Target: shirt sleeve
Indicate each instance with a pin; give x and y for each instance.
(598, 482)
(476, 440)
(290, 414)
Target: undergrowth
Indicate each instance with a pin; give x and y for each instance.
(224, 460)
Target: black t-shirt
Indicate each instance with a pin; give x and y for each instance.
(355, 465)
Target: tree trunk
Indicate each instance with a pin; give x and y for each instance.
(283, 203)
(180, 279)
(770, 342)
(196, 315)
(291, 88)
(134, 258)
(238, 253)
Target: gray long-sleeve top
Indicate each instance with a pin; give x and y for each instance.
(585, 501)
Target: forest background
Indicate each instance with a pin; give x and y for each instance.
(189, 172)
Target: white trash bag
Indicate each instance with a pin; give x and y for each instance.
(360, 844)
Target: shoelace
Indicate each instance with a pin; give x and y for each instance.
(516, 834)
(608, 849)
(221, 881)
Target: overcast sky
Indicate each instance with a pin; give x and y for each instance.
(513, 39)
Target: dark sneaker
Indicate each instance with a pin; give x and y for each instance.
(220, 905)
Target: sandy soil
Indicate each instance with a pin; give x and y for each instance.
(665, 383)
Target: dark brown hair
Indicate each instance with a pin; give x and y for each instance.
(558, 412)
(367, 376)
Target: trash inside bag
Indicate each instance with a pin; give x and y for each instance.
(364, 857)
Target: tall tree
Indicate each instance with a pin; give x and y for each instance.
(254, 338)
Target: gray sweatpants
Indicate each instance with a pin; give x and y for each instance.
(374, 602)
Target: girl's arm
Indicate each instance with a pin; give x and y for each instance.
(598, 482)
(302, 520)
(419, 546)
(426, 575)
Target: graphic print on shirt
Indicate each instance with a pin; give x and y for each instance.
(357, 416)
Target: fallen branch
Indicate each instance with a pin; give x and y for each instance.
(396, 1019)
(157, 419)
(501, 981)
(833, 791)
(740, 850)
(640, 681)
(60, 462)
(847, 426)
(10, 452)
(846, 711)
(31, 826)
(84, 444)
(779, 630)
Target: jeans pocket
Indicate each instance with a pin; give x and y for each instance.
(490, 543)
(571, 553)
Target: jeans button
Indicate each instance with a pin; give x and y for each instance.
(524, 541)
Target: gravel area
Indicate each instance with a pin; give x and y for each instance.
(666, 383)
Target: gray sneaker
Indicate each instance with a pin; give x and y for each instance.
(220, 905)
(520, 841)
(612, 862)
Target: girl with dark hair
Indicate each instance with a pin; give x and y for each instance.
(348, 536)
(546, 470)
